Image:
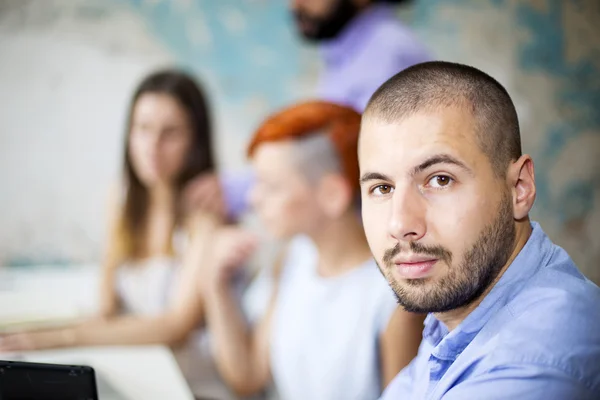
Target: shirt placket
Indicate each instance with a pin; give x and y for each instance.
(437, 368)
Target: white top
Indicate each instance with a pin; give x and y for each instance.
(325, 331)
(146, 287)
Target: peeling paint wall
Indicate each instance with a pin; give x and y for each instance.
(68, 68)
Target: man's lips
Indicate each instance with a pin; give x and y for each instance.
(415, 267)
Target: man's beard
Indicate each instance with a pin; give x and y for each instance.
(464, 283)
(330, 26)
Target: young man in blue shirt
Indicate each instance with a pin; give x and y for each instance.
(446, 195)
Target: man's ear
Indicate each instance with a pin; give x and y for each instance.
(334, 195)
(521, 178)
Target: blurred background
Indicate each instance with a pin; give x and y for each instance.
(68, 67)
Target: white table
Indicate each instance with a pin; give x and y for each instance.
(34, 294)
(144, 373)
(49, 294)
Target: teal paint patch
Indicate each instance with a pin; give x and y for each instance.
(32, 262)
(232, 57)
(579, 95)
(545, 49)
(577, 98)
(576, 201)
(556, 139)
(577, 82)
(425, 12)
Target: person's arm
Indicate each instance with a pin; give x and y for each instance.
(170, 327)
(204, 193)
(109, 304)
(241, 351)
(523, 381)
(399, 343)
(183, 315)
(109, 300)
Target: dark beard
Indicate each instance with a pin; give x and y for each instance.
(464, 283)
(330, 26)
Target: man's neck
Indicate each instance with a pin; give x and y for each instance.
(455, 317)
(342, 245)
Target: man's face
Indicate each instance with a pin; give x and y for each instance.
(322, 19)
(438, 220)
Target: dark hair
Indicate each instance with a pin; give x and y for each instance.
(393, 1)
(188, 93)
(435, 84)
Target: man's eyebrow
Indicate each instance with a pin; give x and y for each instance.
(439, 159)
(373, 176)
(431, 161)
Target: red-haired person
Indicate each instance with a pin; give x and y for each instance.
(331, 328)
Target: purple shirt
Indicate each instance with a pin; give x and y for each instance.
(236, 188)
(370, 50)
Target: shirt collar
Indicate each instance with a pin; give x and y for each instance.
(356, 32)
(530, 259)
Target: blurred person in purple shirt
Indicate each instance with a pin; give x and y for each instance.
(362, 44)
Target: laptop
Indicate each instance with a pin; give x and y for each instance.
(20, 380)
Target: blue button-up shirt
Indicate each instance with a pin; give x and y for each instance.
(536, 335)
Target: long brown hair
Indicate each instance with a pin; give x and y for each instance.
(189, 94)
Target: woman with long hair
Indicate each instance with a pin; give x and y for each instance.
(149, 281)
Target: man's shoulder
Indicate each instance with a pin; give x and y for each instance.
(553, 323)
(558, 294)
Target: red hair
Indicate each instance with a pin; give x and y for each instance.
(339, 123)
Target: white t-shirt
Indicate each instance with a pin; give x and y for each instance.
(146, 288)
(325, 331)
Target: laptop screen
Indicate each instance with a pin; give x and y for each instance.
(32, 381)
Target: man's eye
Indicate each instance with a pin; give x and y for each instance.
(382, 190)
(440, 181)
